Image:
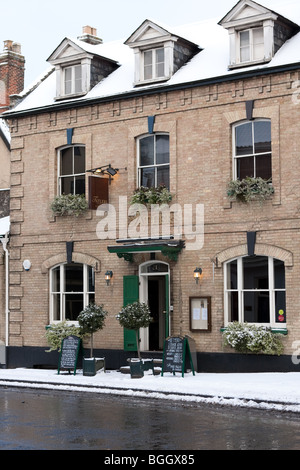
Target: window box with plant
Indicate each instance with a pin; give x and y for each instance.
(250, 189)
(69, 204)
(159, 195)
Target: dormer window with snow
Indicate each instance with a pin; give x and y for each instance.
(79, 65)
(158, 53)
(255, 33)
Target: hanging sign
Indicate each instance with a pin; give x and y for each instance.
(69, 353)
(177, 355)
(98, 191)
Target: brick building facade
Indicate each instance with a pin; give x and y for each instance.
(11, 83)
(194, 126)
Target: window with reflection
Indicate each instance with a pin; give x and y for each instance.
(72, 288)
(252, 45)
(154, 63)
(154, 161)
(71, 170)
(255, 291)
(253, 150)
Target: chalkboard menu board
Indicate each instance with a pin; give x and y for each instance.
(68, 358)
(175, 356)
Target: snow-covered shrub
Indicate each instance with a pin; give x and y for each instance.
(56, 332)
(246, 338)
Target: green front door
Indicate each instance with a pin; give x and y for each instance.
(167, 309)
(130, 295)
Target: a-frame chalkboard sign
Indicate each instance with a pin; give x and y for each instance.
(176, 355)
(70, 348)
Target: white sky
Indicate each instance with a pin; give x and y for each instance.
(40, 26)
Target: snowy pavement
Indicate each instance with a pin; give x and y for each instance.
(269, 391)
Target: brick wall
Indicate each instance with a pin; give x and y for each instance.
(199, 122)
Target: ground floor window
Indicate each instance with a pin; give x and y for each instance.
(255, 291)
(72, 287)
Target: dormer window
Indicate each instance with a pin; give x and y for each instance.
(255, 33)
(158, 53)
(79, 65)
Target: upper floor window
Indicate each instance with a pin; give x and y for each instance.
(255, 291)
(253, 150)
(158, 53)
(256, 33)
(154, 64)
(251, 45)
(78, 65)
(71, 170)
(72, 77)
(154, 161)
(72, 288)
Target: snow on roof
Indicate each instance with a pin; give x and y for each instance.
(4, 226)
(210, 63)
(5, 130)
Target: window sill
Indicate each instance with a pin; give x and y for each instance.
(282, 331)
(152, 81)
(71, 96)
(248, 64)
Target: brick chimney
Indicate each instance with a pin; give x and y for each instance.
(89, 35)
(12, 71)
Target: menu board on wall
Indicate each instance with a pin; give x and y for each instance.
(200, 316)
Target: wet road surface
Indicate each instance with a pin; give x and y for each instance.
(46, 420)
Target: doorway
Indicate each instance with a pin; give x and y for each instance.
(154, 290)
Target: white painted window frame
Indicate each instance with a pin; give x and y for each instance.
(59, 176)
(251, 45)
(155, 165)
(235, 157)
(62, 293)
(271, 290)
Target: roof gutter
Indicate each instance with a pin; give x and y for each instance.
(4, 241)
(159, 89)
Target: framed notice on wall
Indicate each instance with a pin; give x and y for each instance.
(200, 314)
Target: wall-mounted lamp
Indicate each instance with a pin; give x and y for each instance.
(105, 170)
(197, 275)
(108, 276)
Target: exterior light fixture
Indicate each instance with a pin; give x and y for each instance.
(197, 275)
(108, 276)
(105, 170)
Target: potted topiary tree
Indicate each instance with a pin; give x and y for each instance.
(133, 317)
(92, 319)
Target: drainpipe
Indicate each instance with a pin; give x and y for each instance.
(4, 242)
